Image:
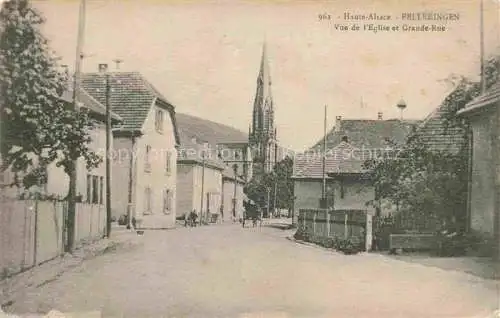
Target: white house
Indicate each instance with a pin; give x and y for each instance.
(90, 184)
(349, 144)
(232, 194)
(199, 180)
(144, 148)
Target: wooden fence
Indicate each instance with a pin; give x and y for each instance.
(33, 232)
(346, 224)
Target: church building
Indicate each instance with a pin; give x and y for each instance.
(262, 134)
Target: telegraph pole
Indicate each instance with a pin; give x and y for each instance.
(323, 193)
(268, 195)
(202, 184)
(275, 195)
(70, 226)
(108, 153)
(481, 41)
(235, 170)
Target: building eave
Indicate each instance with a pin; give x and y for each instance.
(127, 133)
(200, 163)
(472, 109)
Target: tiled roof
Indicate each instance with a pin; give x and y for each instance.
(437, 134)
(209, 131)
(89, 102)
(131, 95)
(344, 158)
(365, 139)
(368, 133)
(491, 96)
(192, 152)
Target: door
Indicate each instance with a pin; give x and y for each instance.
(368, 232)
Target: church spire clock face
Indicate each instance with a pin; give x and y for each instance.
(262, 136)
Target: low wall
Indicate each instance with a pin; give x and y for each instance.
(337, 223)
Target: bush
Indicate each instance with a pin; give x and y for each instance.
(348, 246)
(327, 242)
(301, 235)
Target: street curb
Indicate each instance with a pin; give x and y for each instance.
(13, 287)
(470, 273)
(313, 245)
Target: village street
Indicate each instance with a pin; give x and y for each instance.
(228, 271)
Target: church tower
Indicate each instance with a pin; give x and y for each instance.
(262, 134)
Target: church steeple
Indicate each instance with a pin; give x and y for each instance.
(263, 112)
(262, 136)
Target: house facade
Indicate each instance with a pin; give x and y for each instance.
(199, 181)
(144, 167)
(218, 148)
(483, 114)
(90, 184)
(232, 195)
(347, 187)
(349, 145)
(226, 143)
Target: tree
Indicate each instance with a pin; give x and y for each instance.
(283, 172)
(38, 127)
(280, 179)
(429, 187)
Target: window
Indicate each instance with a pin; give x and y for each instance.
(101, 191)
(147, 159)
(167, 201)
(168, 163)
(147, 200)
(89, 188)
(342, 189)
(159, 121)
(95, 189)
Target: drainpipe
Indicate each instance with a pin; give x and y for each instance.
(496, 195)
(131, 180)
(469, 178)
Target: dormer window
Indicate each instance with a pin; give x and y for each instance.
(345, 139)
(159, 121)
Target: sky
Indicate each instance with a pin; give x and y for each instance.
(204, 56)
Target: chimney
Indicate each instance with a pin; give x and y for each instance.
(103, 68)
(338, 121)
(379, 115)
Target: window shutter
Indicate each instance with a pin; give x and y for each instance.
(147, 164)
(89, 188)
(168, 163)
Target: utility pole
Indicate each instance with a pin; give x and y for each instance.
(323, 193)
(275, 195)
(235, 170)
(108, 153)
(268, 195)
(202, 184)
(70, 225)
(481, 35)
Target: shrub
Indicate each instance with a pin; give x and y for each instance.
(302, 235)
(348, 246)
(327, 242)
